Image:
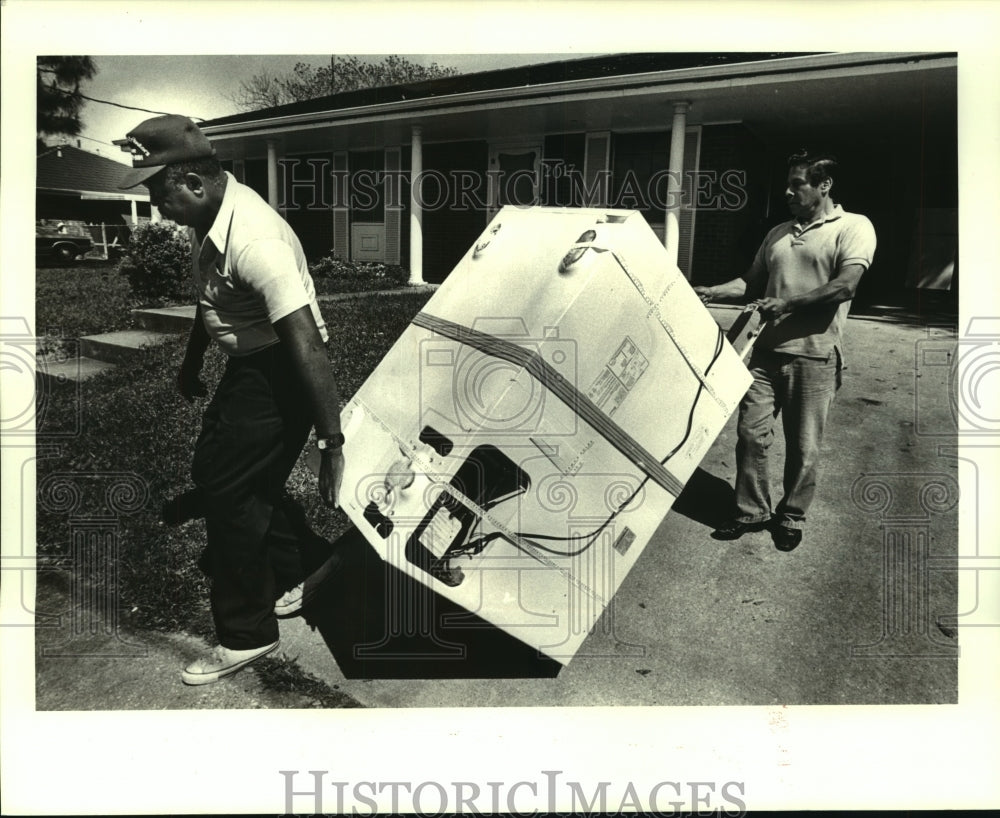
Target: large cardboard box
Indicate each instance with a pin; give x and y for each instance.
(521, 442)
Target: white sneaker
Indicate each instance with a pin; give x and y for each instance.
(291, 601)
(221, 662)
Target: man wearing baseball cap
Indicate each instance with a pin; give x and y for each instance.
(255, 299)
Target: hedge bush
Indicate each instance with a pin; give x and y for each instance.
(158, 263)
(331, 274)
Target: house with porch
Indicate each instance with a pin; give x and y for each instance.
(412, 174)
(72, 184)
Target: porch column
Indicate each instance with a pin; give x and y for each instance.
(416, 213)
(675, 180)
(135, 211)
(272, 173)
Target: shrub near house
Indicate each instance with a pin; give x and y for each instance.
(334, 275)
(158, 263)
(157, 266)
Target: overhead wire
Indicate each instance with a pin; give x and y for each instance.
(592, 536)
(476, 546)
(116, 104)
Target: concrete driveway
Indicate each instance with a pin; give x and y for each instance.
(861, 613)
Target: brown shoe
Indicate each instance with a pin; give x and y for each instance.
(735, 530)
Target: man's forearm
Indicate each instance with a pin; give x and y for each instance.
(736, 288)
(841, 289)
(299, 335)
(189, 383)
(198, 339)
(834, 292)
(322, 390)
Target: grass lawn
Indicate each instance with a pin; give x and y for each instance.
(93, 297)
(131, 420)
(85, 299)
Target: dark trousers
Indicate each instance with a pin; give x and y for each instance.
(252, 433)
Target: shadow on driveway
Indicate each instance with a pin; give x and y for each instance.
(706, 499)
(381, 624)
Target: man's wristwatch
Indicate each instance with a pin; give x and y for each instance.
(329, 443)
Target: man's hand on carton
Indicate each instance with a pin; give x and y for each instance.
(770, 308)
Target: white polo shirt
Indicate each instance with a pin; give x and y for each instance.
(794, 259)
(250, 272)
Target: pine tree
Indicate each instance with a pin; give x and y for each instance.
(59, 100)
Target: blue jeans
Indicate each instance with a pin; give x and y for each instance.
(802, 391)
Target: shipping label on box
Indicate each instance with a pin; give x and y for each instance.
(521, 442)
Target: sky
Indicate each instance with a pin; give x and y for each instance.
(199, 86)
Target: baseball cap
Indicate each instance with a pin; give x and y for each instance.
(161, 141)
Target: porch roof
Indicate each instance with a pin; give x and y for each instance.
(792, 96)
(508, 78)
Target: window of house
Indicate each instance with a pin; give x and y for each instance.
(255, 173)
(638, 183)
(517, 178)
(564, 156)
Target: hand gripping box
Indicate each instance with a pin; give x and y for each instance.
(519, 445)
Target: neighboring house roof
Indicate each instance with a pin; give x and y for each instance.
(72, 170)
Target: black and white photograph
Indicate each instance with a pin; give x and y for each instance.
(539, 414)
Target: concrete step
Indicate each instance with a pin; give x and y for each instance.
(165, 319)
(56, 371)
(119, 347)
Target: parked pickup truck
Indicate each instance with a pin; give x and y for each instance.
(61, 242)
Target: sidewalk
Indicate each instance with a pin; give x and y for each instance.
(141, 671)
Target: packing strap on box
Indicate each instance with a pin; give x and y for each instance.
(654, 307)
(549, 378)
